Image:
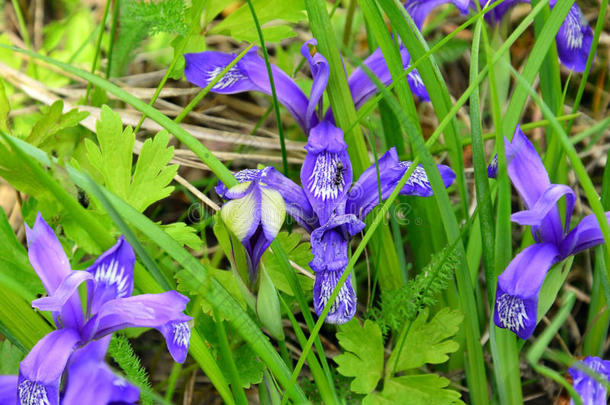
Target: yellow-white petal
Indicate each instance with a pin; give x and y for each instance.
(239, 215)
(273, 211)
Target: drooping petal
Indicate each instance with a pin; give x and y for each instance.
(418, 183)
(90, 381)
(177, 335)
(146, 311)
(40, 372)
(63, 293)
(249, 74)
(525, 168)
(344, 306)
(112, 275)
(543, 216)
(590, 390)
(364, 195)
(584, 236)
(255, 247)
(8, 389)
(297, 204)
(320, 72)
(419, 9)
(329, 242)
(326, 174)
(52, 266)
(518, 287)
(574, 39)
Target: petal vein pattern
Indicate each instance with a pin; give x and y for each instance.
(326, 180)
(112, 274)
(512, 313)
(231, 77)
(182, 333)
(32, 393)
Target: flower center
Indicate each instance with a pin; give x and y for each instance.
(32, 393)
(231, 77)
(327, 178)
(511, 311)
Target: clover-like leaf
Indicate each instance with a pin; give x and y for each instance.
(363, 357)
(426, 341)
(423, 389)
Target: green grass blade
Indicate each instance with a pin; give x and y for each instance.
(435, 85)
(532, 67)
(229, 362)
(276, 105)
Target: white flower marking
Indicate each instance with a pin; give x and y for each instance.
(32, 393)
(344, 297)
(231, 77)
(511, 311)
(417, 80)
(247, 175)
(113, 275)
(573, 28)
(327, 178)
(418, 177)
(182, 333)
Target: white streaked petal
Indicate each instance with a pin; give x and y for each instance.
(511, 312)
(32, 393)
(231, 77)
(327, 179)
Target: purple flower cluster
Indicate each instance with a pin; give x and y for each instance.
(573, 39)
(76, 349)
(329, 205)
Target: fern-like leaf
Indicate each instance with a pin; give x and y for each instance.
(122, 353)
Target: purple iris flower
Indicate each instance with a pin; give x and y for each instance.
(250, 74)
(78, 346)
(254, 212)
(591, 391)
(328, 205)
(573, 39)
(519, 285)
